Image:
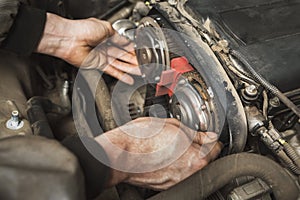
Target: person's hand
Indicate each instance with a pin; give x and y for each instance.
(171, 155)
(75, 40)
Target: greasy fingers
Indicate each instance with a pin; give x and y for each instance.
(96, 31)
(213, 154)
(205, 138)
(121, 54)
(126, 67)
(118, 74)
(119, 40)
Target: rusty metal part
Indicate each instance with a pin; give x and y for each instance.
(191, 103)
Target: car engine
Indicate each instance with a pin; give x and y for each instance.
(229, 67)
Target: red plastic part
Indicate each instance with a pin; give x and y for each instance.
(169, 78)
(181, 65)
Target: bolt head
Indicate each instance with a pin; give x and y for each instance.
(274, 102)
(15, 113)
(251, 90)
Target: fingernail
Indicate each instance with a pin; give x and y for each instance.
(127, 79)
(138, 71)
(212, 136)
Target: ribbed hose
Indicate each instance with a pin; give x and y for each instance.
(288, 162)
(219, 173)
(290, 151)
(266, 84)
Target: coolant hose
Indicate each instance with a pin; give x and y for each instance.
(222, 171)
(274, 90)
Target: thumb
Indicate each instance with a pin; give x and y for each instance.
(205, 138)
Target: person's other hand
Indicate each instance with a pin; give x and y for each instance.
(75, 40)
(184, 152)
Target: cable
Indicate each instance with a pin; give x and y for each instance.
(266, 84)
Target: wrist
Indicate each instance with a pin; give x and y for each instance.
(56, 40)
(106, 140)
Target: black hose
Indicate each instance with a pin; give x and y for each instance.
(288, 162)
(219, 173)
(274, 90)
(38, 119)
(290, 151)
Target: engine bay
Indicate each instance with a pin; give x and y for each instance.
(214, 66)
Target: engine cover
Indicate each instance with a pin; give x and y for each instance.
(272, 47)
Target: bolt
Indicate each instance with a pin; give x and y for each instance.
(251, 90)
(203, 107)
(14, 123)
(196, 126)
(172, 2)
(178, 117)
(210, 92)
(15, 118)
(65, 88)
(157, 79)
(143, 75)
(274, 102)
(144, 55)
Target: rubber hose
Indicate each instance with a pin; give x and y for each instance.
(38, 119)
(274, 90)
(292, 153)
(219, 173)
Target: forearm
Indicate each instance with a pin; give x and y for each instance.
(26, 31)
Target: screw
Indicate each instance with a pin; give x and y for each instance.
(274, 102)
(15, 118)
(14, 123)
(210, 92)
(251, 90)
(144, 55)
(172, 2)
(65, 88)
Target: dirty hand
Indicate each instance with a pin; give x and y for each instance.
(169, 152)
(75, 40)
